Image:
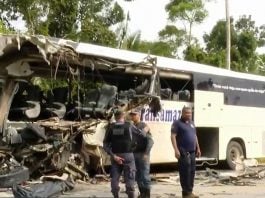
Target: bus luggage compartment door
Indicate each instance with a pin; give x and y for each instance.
(208, 108)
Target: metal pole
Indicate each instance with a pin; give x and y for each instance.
(228, 36)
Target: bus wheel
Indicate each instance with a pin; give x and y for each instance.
(234, 154)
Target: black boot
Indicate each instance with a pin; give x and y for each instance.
(115, 194)
(147, 193)
(131, 194)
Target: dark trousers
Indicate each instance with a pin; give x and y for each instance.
(187, 168)
(142, 170)
(128, 168)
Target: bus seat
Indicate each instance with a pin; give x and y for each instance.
(184, 95)
(143, 88)
(175, 96)
(56, 100)
(106, 99)
(26, 102)
(125, 96)
(57, 109)
(97, 102)
(166, 93)
(87, 107)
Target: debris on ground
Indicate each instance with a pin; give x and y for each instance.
(52, 186)
(248, 176)
(212, 177)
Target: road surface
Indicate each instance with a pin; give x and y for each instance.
(167, 185)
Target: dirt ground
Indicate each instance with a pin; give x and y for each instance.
(167, 185)
(172, 190)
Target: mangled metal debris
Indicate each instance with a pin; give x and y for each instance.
(239, 178)
(60, 130)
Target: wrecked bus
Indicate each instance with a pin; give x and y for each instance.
(60, 127)
(57, 97)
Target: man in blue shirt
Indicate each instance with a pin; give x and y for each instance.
(186, 146)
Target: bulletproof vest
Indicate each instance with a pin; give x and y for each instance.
(121, 139)
(139, 142)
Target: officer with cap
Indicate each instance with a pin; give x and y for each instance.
(118, 144)
(142, 154)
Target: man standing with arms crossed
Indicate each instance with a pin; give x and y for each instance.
(142, 154)
(186, 146)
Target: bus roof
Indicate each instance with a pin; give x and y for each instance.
(162, 62)
(86, 49)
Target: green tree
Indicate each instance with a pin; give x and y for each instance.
(61, 19)
(189, 12)
(4, 29)
(245, 39)
(31, 11)
(83, 20)
(96, 19)
(216, 45)
(133, 42)
(216, 40)
(158, 48)
(174, 38)
(195, 53)
(261, 60)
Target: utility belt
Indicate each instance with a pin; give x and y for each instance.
(186, 153)
(189, 153)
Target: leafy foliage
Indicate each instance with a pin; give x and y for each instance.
(94, 21)
(173, 36)
(133, 42)
(216, 40)
(83, 20)
(4, 29)
(245, 39)
(189, 12)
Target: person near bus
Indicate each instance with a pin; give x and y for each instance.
(118, 144)
(142, 154)
(186, 146)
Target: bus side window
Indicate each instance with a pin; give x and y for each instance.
(176, 89)
(184, 95)
(143, 87)
(166, 94)
(175, 96)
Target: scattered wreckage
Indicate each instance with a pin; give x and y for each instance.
(60, 130)
(247, 177)
(248, 173)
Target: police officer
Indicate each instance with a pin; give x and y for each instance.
(185, 144)
(118, 144)
(142, 154)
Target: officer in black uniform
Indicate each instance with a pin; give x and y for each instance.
(118, 144)
(142, 154)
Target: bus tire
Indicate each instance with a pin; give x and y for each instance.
(234, 154)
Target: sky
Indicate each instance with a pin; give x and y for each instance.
(149, 16)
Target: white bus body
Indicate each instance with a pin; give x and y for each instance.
(228, 106)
